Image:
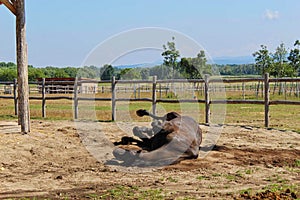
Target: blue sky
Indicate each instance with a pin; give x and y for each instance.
(63, 32)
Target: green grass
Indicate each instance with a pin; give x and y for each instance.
(131, 192)
(297, 163)
(276, 179)
(274, 187)
(172, 180)
(283, 117)
(246, 191)
(277, 187)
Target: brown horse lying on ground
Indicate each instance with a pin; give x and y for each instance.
(171, 139)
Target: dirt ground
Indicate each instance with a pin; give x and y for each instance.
(57, 160)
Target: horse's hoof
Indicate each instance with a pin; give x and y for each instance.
(124, 155)
(141, 112)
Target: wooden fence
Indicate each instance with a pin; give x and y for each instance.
(206, 82)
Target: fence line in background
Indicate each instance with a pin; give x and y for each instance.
(266, 80)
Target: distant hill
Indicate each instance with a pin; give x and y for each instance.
(234, 60)
(226, 60)
(139, 65)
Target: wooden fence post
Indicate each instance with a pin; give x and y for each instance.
(22, 67)
(139, 91)
(134, 90)
(154, 98)
(267, 99)
(15, 97)
(76, 98)
(113, 98)
(243, 88)
(207, 101)
(160, 92)
(43, 98)
(297, 89)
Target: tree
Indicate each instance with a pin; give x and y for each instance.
(8, 74)
(185, 68)
(161, 71)
(106, 72)
(193, 68)
(128, 74)
(263, 60)
(60, 73)
(88, 72)
(145, 73)
(294, 58)
(281, 67)
(170, 55)
(34, 73)
(71, 71)
(200, 63)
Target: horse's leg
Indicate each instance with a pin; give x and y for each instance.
(165, 155)
(127, 140)
(142, 132)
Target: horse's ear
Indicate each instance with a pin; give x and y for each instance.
(142, 112)
(172, 115)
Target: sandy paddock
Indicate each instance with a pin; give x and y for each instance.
(57, 161)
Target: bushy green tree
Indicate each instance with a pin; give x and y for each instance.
(35, 73)
(194, 68)
(71, 71)
(8, 74)
(145, 73)
(281, 67)
(88, 72)
(161, 71)
(129, 74)
(263, 60)
(294, 59)
(106, 72)
(171, 54)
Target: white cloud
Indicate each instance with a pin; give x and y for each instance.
(271, 15)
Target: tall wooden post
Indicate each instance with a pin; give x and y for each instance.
(22, 63)
(17, 7)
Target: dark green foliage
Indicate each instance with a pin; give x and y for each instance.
(294, 58)
(243, 69)
(56, 72)
(106, 72)
(88, 72)
(170, 55)
(263, 60)
(194, 68)
(280, 67)
(161, 71)
(129, 74)
(145, 73)
(34, 73)
(8, 74)
(280, 63)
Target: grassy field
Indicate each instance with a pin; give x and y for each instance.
(281, 116)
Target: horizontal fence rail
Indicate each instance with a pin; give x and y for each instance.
(154, 85)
